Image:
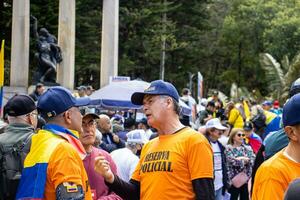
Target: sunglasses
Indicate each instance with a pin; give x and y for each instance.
(241, 135)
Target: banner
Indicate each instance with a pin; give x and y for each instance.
(200, 86)
(1, 74)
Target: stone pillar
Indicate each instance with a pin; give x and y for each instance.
(110, 40)
(66, 41)
(20, 44)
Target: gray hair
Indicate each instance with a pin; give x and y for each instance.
(176, 105)
(18, 119)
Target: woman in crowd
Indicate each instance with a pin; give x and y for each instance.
(240, 158)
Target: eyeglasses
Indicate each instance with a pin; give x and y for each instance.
(240, 135)
(89, 124)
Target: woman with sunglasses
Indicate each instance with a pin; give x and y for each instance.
(240, 158)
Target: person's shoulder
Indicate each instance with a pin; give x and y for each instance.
(274, 164)
(191, 135)
(102, 152)
(228, 147)
(65, 149)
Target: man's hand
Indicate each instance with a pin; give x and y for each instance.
(102, 167)
(116, 138)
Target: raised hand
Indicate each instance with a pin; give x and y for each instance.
(102, 167)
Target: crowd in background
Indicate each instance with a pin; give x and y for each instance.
(242, 134)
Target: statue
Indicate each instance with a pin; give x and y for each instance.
(48, 54)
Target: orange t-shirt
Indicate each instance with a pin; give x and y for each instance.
(65, 165)
(169, 163)
(273, 177)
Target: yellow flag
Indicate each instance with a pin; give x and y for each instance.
(2, 64)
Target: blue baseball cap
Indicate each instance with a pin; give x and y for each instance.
(157, 87)
(267, 103)
(57, 100)
(291, 111)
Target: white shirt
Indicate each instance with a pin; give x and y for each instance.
(224, 140)
(218, 182)
(125, 161)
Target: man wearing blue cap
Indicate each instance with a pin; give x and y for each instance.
(176, 165)
(53, 169)
(274, 175)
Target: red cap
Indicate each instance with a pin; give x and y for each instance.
(276, 104)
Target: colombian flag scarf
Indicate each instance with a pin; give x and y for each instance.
(34, 174)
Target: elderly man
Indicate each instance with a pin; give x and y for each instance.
(126, 158)
(87, 138)
(53, 169)
(274, 175)
(169, 166)
(110, 141)
(22, 117)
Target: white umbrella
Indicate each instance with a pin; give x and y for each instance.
(117, 95)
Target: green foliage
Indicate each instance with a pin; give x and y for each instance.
(221, 39)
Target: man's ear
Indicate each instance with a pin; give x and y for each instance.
(67, 117)
(291, 132)
(169, 101)
(30, 119)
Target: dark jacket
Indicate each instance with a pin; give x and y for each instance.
(108, 144)
(16, 132)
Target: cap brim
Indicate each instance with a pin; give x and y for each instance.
(247, 129)
(84, 101)
(137, 98)
(95, 116)
(220, 127)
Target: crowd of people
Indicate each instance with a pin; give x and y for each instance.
(67, 149)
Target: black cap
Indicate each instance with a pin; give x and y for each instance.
(89, 112)
(248, 126)
(20, 105)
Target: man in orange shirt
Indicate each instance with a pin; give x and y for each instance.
(178, 164)
(274, 175)
(53, 169)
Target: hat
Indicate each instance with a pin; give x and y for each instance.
(20, 105)
(90, 88)
(89, 112)
(295, 88)
(276, 104)
(211, 103)
(38, 85)
(57, 100)
(157, 87)
(215, 92)
(248, 126)
(291, 111)
(267, 103)
(82, 87)
(215, 123)
(137, 136)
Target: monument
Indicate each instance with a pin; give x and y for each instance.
(48, 55)
(66, 41)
